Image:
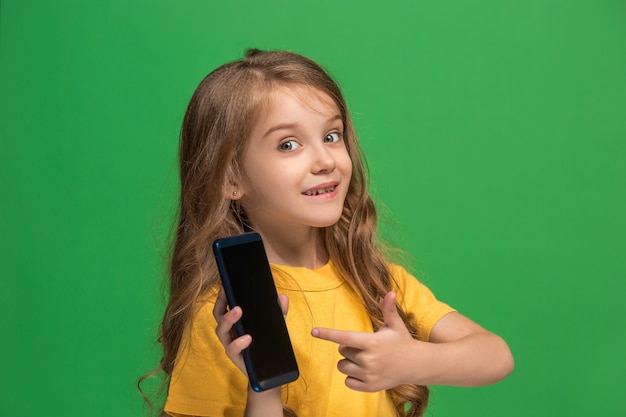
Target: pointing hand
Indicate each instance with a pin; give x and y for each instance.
(374, 361)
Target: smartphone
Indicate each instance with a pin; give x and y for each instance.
(248, 283)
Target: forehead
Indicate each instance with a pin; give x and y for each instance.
(288, 97)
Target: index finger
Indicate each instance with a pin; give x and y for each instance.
(219, 309)
(342, 337)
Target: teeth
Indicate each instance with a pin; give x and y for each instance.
(320, 191)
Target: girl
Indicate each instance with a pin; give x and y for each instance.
(267, 144)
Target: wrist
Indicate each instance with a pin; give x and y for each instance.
(264, 403)
(426, 361)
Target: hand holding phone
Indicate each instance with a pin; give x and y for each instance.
(247, 281)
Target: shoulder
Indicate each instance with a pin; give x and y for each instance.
(407, 285)
(398, 270)
(402, 280)
(203, 305)
(200, 326)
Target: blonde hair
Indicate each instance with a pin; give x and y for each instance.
(217, 122)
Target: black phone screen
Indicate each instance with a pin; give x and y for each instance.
(248, 283)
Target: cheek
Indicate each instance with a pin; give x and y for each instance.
(264, 179)
(345, 164)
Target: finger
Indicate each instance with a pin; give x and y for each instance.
(351, 339)
(284, 303)
(351, 353)
(391, 317)
(220, 305)
(351, 369)
(225, 325)
(360, 385)
(234, 348)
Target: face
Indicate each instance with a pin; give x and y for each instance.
(296, 163)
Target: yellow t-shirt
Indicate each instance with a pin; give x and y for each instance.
(206, 383)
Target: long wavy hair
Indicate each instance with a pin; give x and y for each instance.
(217, 123)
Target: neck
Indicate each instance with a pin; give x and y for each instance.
(291, 248)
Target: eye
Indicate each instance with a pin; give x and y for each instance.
(332, 137)
(289, 145)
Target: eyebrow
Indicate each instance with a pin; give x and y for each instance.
(292, 125)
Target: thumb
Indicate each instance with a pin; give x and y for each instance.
(391, 317)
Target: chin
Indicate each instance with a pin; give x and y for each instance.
(326, 222)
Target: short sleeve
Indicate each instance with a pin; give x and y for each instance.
(415, 298)
(204, 381)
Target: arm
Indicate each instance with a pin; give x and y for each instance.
(463, 353)
(459, 352)
(267, 403)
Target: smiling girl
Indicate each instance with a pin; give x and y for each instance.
(267, 145)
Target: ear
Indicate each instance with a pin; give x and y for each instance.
(233, 193)
(232, 190)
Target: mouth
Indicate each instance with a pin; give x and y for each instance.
(324, 189)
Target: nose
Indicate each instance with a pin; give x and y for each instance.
(323, 160)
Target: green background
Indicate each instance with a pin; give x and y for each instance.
(496, 136)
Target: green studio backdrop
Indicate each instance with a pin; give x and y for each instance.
(496, 138)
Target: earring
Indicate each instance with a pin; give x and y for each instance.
(235, 193)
